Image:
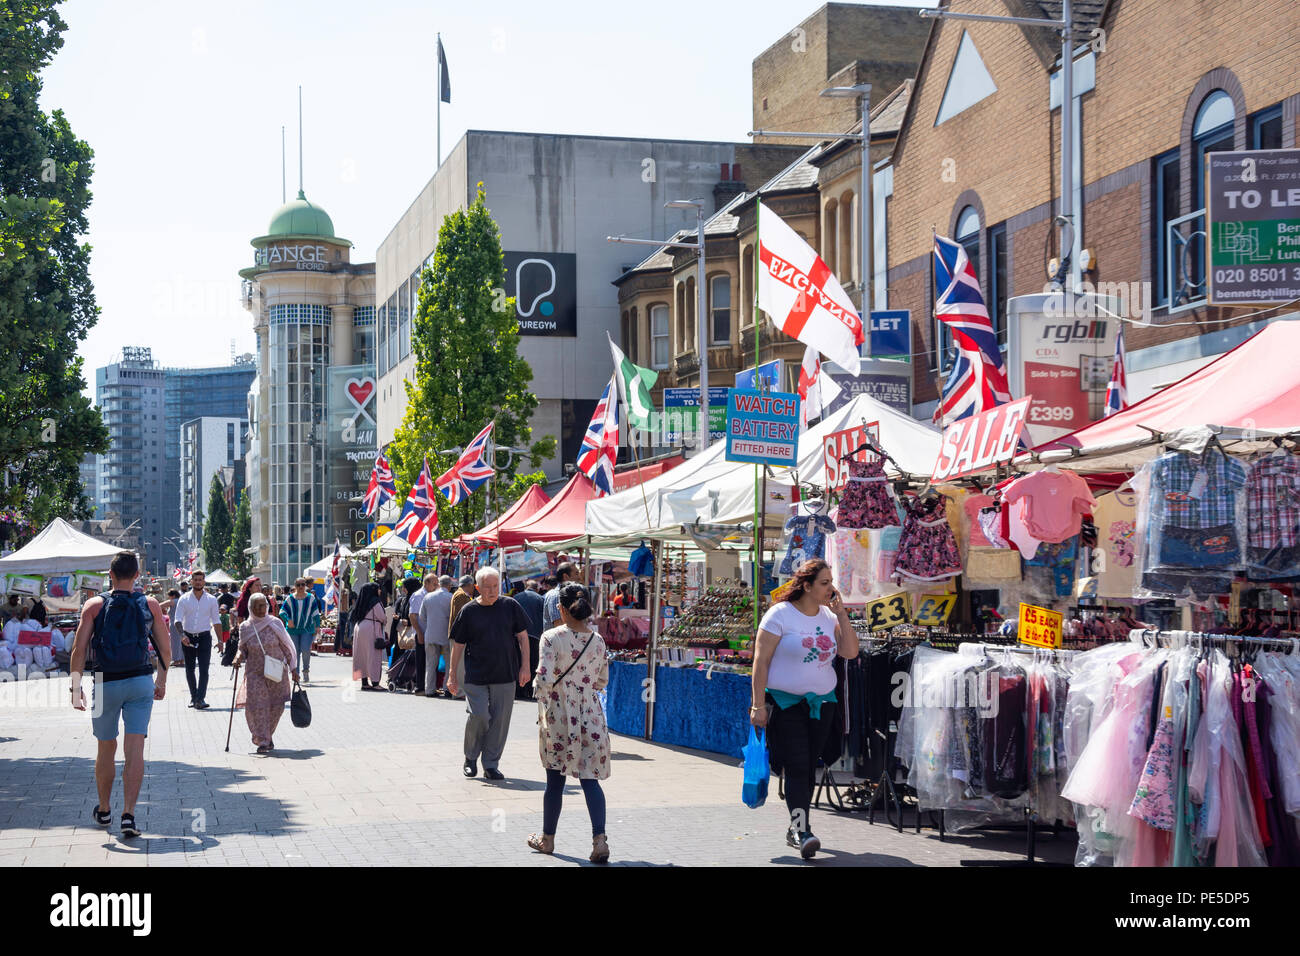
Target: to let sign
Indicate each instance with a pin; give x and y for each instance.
(846, 444)
(1253, 223)
(1039, 627)
(763, 427)
(973, 444)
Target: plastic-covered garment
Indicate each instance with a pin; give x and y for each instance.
(868, 500)
(1193, 523)
(1272, 495)
(853, 564)
(1282, 673)
(1235, 835)
(927, 550)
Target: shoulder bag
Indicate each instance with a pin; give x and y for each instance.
(272, 667)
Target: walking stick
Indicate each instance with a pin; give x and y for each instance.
(230, 725)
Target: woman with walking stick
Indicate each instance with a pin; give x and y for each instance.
(266, 646)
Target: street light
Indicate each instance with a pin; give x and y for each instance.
(867, 238)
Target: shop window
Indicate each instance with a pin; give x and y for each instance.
(1167, 206)
(998, 287)
(1266, 129)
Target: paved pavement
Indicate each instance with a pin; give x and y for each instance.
(376, 781)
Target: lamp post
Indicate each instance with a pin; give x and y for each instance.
(866, 231)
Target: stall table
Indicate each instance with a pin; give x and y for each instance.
(692, 709)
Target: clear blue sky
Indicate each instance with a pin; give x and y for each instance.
(183, 104)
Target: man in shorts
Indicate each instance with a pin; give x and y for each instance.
(123, 626)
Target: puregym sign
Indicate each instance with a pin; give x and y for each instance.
(544, 286)
(308, 258)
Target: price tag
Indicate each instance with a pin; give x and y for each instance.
(780, 593)
(887, 612)
(1039, 626)
(933, 609)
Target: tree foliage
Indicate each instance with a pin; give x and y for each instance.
(237, 563)
(216, 525)
(467, 366)
(47, 302)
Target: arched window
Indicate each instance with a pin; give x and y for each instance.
(830, 231)
(1212, 132)
(692, 329)
(679, 320)
(848, 211)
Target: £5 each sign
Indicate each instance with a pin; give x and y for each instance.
(975, 444)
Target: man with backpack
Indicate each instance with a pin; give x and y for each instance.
(119, 628)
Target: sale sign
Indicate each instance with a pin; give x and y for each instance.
(848, 443)
(974, 444)
(1039, 627)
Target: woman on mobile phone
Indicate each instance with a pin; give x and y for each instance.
(794, 686)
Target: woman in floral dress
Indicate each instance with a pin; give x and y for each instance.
(264, 636)
(572, 668)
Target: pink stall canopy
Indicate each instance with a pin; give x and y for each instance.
(563, 518)
(533, 501)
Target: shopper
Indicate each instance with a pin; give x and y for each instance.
(262, 697)
(199, 618)
(463, 595)
(793, 686)
(174, 627)
(624, 596)
(122, 625)
(533, 604)
(301, 613)
(574, 742)
(568, 571)
(433, 626)
(401, 616)
(491, 633)
(368, 641)
(251, 586)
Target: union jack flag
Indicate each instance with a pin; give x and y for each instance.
(383, 487)
(978, 380)
(471, 469)
(1117, 389)
(421, 494)
(417, 526)
(599, 451)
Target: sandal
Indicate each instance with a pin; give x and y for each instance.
(599, 850)
(129, 829)
(103, 817)
(542, 844)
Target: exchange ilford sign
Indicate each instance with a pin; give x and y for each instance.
(308, 258)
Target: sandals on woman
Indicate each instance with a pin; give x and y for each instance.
(543, 844)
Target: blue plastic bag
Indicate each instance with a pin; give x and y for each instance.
(757, 770)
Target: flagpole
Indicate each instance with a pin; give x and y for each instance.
(758, 529)
(439, 163)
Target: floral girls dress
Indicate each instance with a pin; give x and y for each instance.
(867, 501)
(927, 550)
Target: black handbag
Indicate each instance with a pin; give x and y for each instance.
(228, 653)
(299, 707)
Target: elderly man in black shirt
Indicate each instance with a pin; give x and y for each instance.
(491, 634)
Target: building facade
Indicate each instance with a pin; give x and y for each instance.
(556, 199)
(132, 473)
(90, 482)
(208, 446)
(313, 311)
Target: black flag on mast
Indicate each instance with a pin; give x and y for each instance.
(444, 82)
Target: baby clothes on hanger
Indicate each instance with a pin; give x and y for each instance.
(927, 550)
(868, 500)
(853, 564)
(807, 540)
(1055, 503)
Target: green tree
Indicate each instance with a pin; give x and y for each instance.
(47, 302)
(467, 365)
(217, 524)
(239, 564)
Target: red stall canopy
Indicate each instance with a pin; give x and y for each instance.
(533, 501)
(563, 518)
(1245, 395)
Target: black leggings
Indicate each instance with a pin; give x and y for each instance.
(795, 742)
(554, 797)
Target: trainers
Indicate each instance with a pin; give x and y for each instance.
(129, 829)
(807, 844)
(102, 817)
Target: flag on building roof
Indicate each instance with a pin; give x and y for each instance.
(599, 451)
(817, 390)
(444, 75)
(382, 488)
(419, 527)
(634, 384)
(1117, 389)
(978, 380)
(804, 299)
(472, 468)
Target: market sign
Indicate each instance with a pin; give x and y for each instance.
(847, 444)
(1253, 224)
(887, 612)
(888, 381)
(972, 445)
(682, 413)
(1039, 627)
(762, 427)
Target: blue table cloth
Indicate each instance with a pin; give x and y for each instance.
(691, 709)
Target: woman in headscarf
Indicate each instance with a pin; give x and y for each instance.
(369, 645)
(252, 586)
(264, 636)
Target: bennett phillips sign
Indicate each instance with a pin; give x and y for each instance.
(974, 444)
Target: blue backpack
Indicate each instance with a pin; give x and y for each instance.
(121, 638)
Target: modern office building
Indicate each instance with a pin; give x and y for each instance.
(132, 474)
(556, 199)
(90, 481)
(313, 313)
(208, 446)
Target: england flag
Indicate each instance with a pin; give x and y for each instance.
(817, 390)
(599, 451)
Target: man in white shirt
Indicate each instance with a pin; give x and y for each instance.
(198, 615)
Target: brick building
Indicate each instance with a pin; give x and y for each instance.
(978, 159)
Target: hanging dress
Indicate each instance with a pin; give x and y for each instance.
(927, 550)
(867, 502)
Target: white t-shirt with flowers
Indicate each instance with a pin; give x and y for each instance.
(803, 660)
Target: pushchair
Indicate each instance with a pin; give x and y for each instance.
(403, 674)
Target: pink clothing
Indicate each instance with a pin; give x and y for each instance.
(368, 660)
(973, 505)
(1054, 504)
(1021, 537)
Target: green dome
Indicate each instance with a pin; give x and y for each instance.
(301, 218)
